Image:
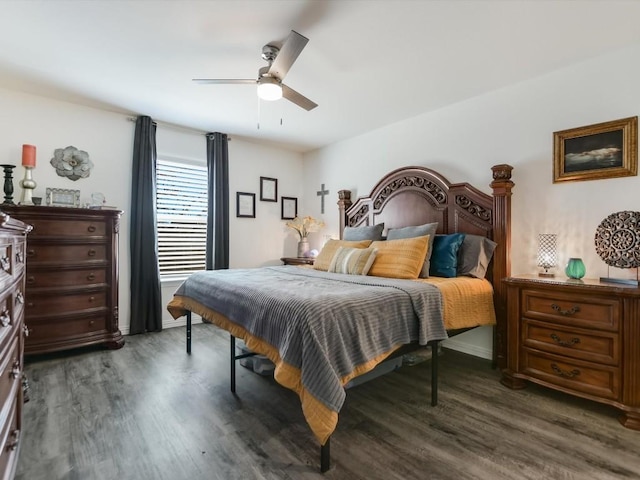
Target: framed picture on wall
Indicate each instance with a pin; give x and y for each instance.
(245, 205)
(603, 150)
(268, 189)
(289, 208)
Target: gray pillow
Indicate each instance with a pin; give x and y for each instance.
(417, 231)
(474, 255)
(355, 234)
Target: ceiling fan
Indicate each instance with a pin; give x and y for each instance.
(269, 81)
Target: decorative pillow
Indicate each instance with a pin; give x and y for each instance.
(444, 258)
(401, 258)
(363, 233)
(417, 231)
(474, 255)
(323, 260)
(353, 261)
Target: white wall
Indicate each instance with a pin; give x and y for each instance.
(108, 138)
(513, 125)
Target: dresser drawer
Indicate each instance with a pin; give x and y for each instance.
(65, 278)
(598, 380)
(66, 253)
(10, 439)
(7, 261)
(76, 228)
(64, 329)
(11, 306)
(46, 305)
(594, 346)
(10, 372)
(586, 311)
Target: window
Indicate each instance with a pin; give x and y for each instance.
(181, 200)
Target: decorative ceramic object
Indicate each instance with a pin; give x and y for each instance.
(71, 163)
(618, 239)
(303, 247)
(575, 268)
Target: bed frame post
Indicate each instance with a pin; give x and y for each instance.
(325, 456)
(189, 332)
(434, 372)
(344, 202)
(233, 364)
(501, 186)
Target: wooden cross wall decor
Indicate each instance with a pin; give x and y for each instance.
(321, 193)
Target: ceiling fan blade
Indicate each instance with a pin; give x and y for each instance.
(300, 100)
(226, 80)
(288, 54)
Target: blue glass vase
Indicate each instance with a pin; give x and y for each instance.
(575, 268)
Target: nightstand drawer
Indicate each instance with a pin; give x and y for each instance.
(570, 309)
(597, 380)
(598, 347)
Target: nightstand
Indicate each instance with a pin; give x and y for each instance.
(297, 260)
(581, 337)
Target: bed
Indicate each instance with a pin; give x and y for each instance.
(328, 327)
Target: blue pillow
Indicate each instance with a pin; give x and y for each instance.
(444, 258)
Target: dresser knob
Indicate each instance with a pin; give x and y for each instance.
(19, 298)
(25, 330)
(564, 343)
(91, 277)
(91, 253)
(91, 228)
(5, 263)
(15, 439)
(573, 373)
(19, 257)
(31, 253)
(31, 279)
(92, 299)
(572, 311)
(15, 370)
(5, 319)
(30, 304)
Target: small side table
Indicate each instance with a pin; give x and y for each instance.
(297, 260)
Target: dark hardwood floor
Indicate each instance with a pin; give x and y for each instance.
(150, 411)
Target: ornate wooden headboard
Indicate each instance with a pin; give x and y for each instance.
(417, 195)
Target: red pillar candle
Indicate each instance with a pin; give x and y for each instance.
(28, 155)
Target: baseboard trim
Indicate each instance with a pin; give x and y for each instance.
(467, 348)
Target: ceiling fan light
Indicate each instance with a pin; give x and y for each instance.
(269, 89)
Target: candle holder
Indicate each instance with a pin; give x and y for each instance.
(8, 184)
(28, 184)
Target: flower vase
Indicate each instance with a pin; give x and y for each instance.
(575, 268)
(303, 247)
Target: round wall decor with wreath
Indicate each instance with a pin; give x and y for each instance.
(618, 239)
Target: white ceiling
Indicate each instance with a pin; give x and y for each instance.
(368, 63)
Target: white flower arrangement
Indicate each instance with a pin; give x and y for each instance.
(305, 225)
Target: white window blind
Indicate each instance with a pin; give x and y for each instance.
(181, 200)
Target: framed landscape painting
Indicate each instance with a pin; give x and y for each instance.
(603, 150)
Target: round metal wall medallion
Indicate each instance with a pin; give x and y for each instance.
(618, 239)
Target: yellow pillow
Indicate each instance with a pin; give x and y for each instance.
(323, 260)
(402, 258)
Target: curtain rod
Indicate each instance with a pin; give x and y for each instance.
(177, 127)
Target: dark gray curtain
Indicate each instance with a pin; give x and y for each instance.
(218, 211)
(146, 300)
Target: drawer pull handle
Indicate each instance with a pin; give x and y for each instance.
(31, 253)
(15, 439)
(19, 298)
(5, 264)
(5, 319)
(573, 373)
(92, 253)
(25, 330)
(572, 311)
(91, 228)
(31, 279)
(15, 371)
(20, 257)
(92, 299)
(91, 277)
(564, 343)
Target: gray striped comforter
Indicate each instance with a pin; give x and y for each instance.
(325, 324)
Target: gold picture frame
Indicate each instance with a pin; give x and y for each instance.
(62, 197)
(603, 150)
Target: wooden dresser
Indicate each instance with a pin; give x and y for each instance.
(12, 267)
(578, 336)
(72, 277)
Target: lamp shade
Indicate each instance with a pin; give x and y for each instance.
(547, 252)
(269, 89)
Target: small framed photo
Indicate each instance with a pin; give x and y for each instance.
(245, 205)
(268, 189)
(60, 197)
(603, 150)
(289, 208)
